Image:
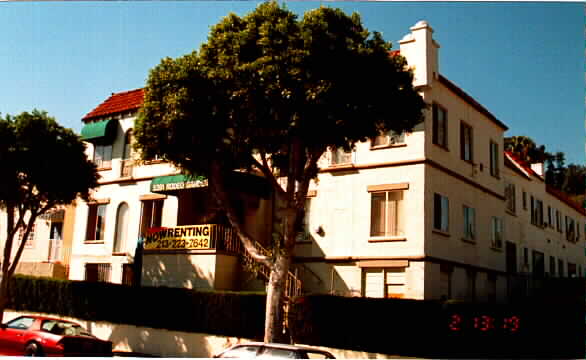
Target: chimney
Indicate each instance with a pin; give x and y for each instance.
(537, 168)
(421, 52)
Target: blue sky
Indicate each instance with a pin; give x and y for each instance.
(525, 62)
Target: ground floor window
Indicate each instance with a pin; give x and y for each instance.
(491, 288)
(471, 285)
(384, 282)
(97, 272)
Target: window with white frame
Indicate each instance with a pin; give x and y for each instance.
(339, 156)
(549, 216)
(496, 232)
(558, 221)
(536, 212)
(466, 142)
(151, 215)
(386, 213)
(494, 159)
(96, 223)
(441, 220)
(469, 223)
(510, 197)
(440, 126)
(103, 155)
(304, 234)
(570, 229)
(389, 138)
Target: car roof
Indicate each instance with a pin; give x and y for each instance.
(43, 318)
(282, 346)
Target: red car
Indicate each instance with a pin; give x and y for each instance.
(33, 335)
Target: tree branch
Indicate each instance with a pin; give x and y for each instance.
(265, 168)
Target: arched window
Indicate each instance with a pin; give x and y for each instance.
(122, 216)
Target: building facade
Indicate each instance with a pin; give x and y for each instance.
(440, 212)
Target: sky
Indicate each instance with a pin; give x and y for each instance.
(523, 61)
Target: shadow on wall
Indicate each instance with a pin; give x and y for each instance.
(320, 277)
(142, 342)
(191, 271)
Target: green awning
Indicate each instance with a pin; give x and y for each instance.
(177, 182)
(103, 131)
(237, 181)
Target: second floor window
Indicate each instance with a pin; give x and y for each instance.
(96, 222)
(440, 213)
(341, 156)
(103, 156)
(494, 159)
(496, 232)
(387, 139)
(386, 213)
(536, 212)
(440, 126)
(469, 223)
(151, 215)
(465, 142)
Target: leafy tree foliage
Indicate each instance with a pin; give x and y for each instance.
(570, 179)
(270, 93)
(43, 166)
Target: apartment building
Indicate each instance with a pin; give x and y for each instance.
(136, 201)
(424, 214)
(440, 212)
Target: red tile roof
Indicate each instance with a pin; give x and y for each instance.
(117, 103)
(524, 166)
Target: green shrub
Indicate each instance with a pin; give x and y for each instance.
(220, 313)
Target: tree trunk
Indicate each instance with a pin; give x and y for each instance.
(3, 294)
(275, 299)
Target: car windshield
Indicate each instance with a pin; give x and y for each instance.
(276, 353)
(64, 328)
(241, 352)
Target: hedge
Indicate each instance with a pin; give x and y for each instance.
(220, 313)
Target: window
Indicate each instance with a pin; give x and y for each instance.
(388, 139)
(341, 156)
(394, 282)
(121, 234)
(551, 266)
(494, 159)
(151, 215)
(440, 213)
(536, 212)
(97, 272)
(440, 126)
(127, 162)
(524, 200)
(96, 222)
(22, 323)
(571, 270)
(510, 197)
(549, 216)
(558, 221)
(103, 155)
(570, 229)
(465, 142)
(526, 258)
(561, 267)
(496, 232)
(386, 218)
(469, 223)
(538, 264)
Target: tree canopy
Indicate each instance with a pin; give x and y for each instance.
(270, 93)
(43, 165)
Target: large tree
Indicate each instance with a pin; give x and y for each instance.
(42, 166)
(270, 93)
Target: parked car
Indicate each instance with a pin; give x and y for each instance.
(32, 335)
(259, 350)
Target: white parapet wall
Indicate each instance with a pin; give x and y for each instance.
(166, 343)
